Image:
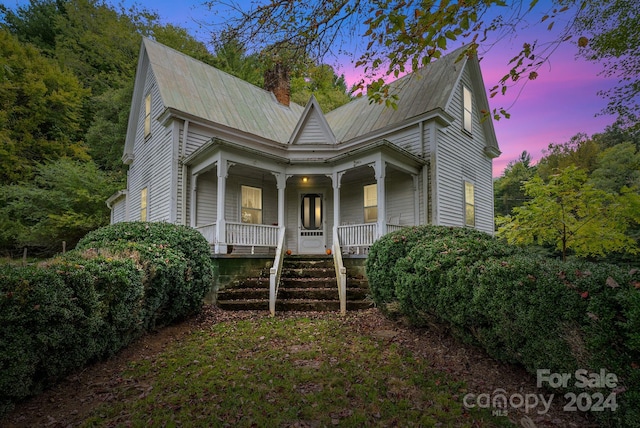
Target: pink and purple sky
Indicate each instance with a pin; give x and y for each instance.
(562, 102)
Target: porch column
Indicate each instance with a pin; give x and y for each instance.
(281, 183)
(221, 240)
(337, 176)
(380, 169)
(193, 221)
(416, 199)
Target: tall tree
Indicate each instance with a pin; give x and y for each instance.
(617, 168)
(40, 110)
(580, 151)
(35, 23)
(571, 214)
(232, 57)
(322, 82)
(508, 190)
(64, 201)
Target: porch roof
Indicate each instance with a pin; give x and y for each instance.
(337, 153)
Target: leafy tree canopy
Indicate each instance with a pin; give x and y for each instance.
(581, 192)
(65, 200)
(571, 214)
(40, 110)
(508, 191)
(329, 89)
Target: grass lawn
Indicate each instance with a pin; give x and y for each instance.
(300, 371)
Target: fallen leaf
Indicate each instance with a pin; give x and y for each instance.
(612, 283)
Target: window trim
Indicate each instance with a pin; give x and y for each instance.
(468, 204)
(260, 210)
(467, 110)
(366, 207)
(147, 116)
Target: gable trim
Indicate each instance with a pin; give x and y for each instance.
(312, 108)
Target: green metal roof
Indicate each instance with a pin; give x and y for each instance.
(200, 90)
(427, 90)
(193, 87)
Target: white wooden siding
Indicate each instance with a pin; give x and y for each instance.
(461, 157)
(206, 198)
(153, 166)
(352, 202)
(197, 137)
(118, 211)
(407, 139)
(313, 132)
(400, 201)
(160, 178)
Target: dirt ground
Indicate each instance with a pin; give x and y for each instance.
(71, 401)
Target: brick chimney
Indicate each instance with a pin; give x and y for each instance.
(276, 80)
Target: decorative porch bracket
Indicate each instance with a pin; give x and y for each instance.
(341, 272)
(275, 272)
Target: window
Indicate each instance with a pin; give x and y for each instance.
(469, 204)
(467, 109)
(311, 211)
(371, 203)
(147, 115)
(143, 204)
(251, 210)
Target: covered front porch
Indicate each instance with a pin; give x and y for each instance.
(247, 205)
(244, 208)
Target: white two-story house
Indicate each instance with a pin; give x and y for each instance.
(246, 167)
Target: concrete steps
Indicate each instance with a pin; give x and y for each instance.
(307, 283)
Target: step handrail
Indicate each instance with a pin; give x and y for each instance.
(275, 272)
(341, 272)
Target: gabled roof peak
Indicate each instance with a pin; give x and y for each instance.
(312, 127)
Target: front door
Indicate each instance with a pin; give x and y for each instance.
(311, 239)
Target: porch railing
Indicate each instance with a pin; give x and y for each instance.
(275, 272)
(341, 272)
(260, 235)
(357, 235)
(393, 227)
(254, 235)
(208, 231)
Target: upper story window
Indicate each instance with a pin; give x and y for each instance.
(143, 204)
(251, 210)
(467, 109)
(371, 203)
(147, 115)
(469, 204)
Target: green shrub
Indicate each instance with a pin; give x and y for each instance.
(534, 311)
(382, 273)
(185, 245)
(121, 281)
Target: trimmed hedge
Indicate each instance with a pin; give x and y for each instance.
(529, 310)
(120, 281)
(381, 264)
